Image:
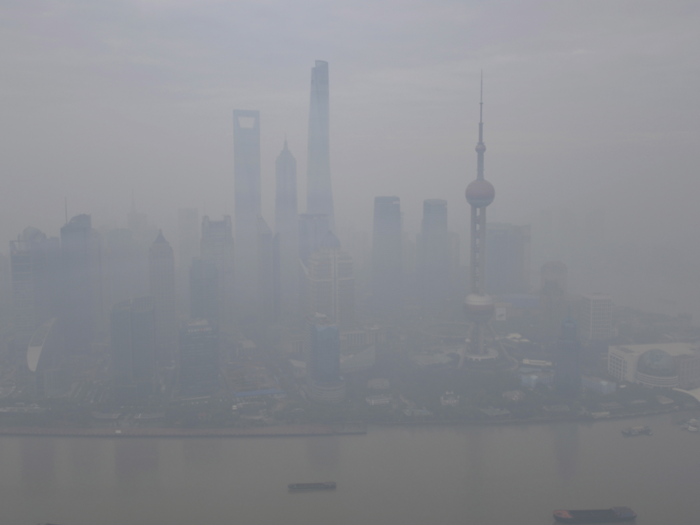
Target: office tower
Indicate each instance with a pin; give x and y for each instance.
(246, 164)
(552, 300)
(507, 259)
(319, 191)
(35, 271)
(187, 249)
(125, 267)
(330, 283)
(204, 290)
(44, 356)
(596, 317)
(217, 246)
(286, 233)
(265, 277)
(567, 378)
(478, 306)
(312, 230)
(387, 270)
(162, 287)
(199, 359)
(81, 288)
(434, 252)
(323, 380)
(132, 349)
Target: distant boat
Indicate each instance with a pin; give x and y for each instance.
(298, 487)
(636, 431)
(612, 515)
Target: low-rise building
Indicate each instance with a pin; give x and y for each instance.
(381, 399)
(666, 365)
(598, 385)
(537, 378)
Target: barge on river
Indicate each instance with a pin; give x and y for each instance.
(612, 515)
(299, 487)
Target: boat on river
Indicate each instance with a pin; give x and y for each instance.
(611, 515)
(324, 485)
(637, 431)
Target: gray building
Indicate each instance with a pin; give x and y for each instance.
(217, 246)
(434, 254)
(199, 359)
(323, 380)
(507, 258)
(286, 241)
(204, 291)
(319, 191)
(248, 207)
(312, 230)
(187, 249)
(387, 269)
(132, 349)
(162, 287)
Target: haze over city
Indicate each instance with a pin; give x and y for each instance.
(443, 252)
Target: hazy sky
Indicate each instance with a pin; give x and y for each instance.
(587, 103)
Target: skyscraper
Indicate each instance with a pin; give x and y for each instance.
(567, 378)
(478, 306)
(323, 380)
(217, 246)
(35, 270)
(286, 233)
(246, 164)
(319, 191)
(507, 258)
(330, 283)
(132, 349)
(434, 250)
(187, 249)
(162, 286)
(387, 270)
(266, 272)
(204, 290)
(596, 317)
(312, 230)
(80, 267)
(199, 359)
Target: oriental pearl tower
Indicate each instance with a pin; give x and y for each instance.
(478, 306)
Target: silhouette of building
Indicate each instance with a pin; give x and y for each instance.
(217, 246)
(312, 230)
(132, 349)
(81, 305)
(553, 283)
(248, 207)
(46, 375)
(323, 380)
(204, 290)
(478, 306)
(286, 241)
(319, 192)
(266, 273)
(507, 258)
(596, 317)
(330, 283)
(187, 249)
(567, 377)
(35, 273)
(199, 359)
(387, 268)
(162, 285)
(124, 267)
(434, 254)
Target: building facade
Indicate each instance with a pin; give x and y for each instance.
(507, 258)
(595, 317)
(199, 359)
(217, 246)
(162, 287)
(666, 365)
(387, 269)
(323, 380)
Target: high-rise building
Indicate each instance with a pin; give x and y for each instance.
(217, 246)
(35, 270)
(323, 380)
(312, 230)
(162, 285)
(265, 277)
(567, 378)
(132, 349)
(330, 283)
(387, 270)
(125, 267)
(204, 290)
(199, 359)
(596, 317)
(286, 243)
(552, 301)
(319, 191)
(507, 258)
(434, 252)
(478, 306)
(248, 205)
(187, 249)
(81, 307)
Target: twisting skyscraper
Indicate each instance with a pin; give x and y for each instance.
(478, 306)
(319, 192)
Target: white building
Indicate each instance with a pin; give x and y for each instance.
(667, 365)
(595, 323)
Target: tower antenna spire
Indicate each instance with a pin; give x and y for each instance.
(481, 100)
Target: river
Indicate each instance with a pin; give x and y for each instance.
(506, 475)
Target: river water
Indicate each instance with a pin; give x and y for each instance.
(504, 475)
